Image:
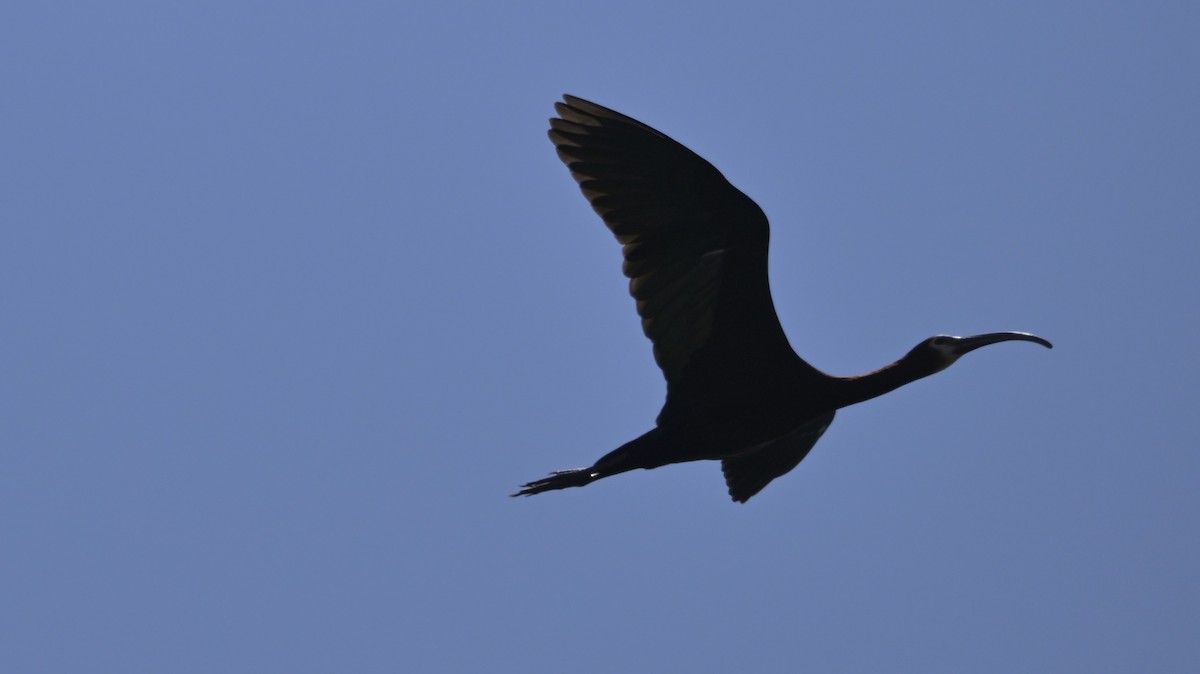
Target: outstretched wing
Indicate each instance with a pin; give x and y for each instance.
(695, 252)
(747, 474)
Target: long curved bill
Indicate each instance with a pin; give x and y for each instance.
(969, 344)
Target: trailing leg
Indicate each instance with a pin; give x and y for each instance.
(637, 453)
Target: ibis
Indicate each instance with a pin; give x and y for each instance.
(695, 252)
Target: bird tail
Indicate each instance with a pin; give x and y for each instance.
(560, 480)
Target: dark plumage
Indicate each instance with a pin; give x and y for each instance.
(695, 252)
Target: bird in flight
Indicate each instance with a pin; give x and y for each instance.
(695, 252)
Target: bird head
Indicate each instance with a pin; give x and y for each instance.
(940, 351)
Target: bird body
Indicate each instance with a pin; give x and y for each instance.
(695, 251)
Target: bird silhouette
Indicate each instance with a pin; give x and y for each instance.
(695, 252)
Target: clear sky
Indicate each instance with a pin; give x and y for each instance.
(293, 295)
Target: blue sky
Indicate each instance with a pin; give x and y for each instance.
(293, 296)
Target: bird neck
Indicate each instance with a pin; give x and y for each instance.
(853, 390)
